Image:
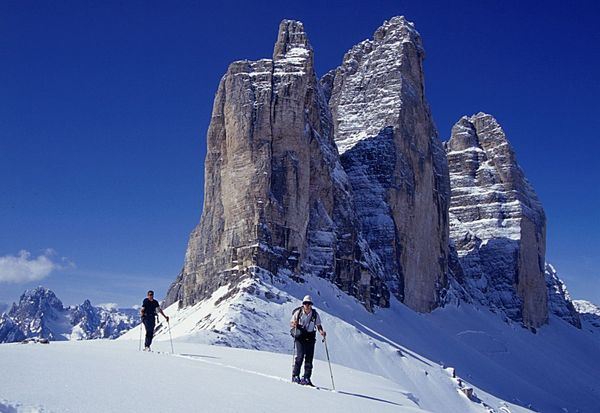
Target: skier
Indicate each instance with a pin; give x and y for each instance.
(148, 313)
(303, 322)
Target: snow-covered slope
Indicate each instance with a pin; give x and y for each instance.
(392, 360)
(507, 365)
(112, 376)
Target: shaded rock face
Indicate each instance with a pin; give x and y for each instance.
(41, 314)
(497, 222)
(396, 164)
(276, 196)
(559, 300)
(9, 331)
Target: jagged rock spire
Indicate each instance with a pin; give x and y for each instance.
(291, 35)
(396, 163)
(276, 196)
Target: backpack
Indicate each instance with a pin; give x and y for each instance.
(300, 332)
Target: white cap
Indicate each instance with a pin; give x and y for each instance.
(307, 299)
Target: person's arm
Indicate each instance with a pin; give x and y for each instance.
(163, 314)
(294, 320)
(320, 327)
(142, 309)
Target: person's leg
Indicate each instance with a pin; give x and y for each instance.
(309, 351)
(149, 325)
(298, 359)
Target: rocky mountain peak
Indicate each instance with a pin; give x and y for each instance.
(397, 29)
(345, 178)
(464, 135)
(37, 300)
(276, 197)
(291, 41)
(391, 64)
(279, 198)
(497, 222)
(389, 147)
(40, 313)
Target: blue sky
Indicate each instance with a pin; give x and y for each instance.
(105, 105)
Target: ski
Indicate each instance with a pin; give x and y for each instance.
(306, 386)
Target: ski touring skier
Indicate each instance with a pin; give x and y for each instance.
(304, 321)
(149, 316)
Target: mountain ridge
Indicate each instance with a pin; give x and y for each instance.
(40, 314)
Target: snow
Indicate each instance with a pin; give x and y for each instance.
(113, 376)
(589, 314)
(586, 307)
(390, 360)
(508, 366)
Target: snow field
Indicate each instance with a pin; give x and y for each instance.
(113, 376)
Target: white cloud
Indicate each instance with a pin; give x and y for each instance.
(109, 306)
(24, 268)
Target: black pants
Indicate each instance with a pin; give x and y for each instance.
(305, 350)
(149, 323)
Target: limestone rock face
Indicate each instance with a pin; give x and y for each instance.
(276, 196)
(497, 222)
(396, 164)
(344, 178)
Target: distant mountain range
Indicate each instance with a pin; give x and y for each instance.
(40, 314)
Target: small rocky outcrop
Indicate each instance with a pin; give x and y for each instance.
(559, 299)
(589, 314)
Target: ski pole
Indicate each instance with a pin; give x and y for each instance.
(328, 361)
(294, 348)
(140, 349)
(170, 337)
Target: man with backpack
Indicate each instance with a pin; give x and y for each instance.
(304, 321)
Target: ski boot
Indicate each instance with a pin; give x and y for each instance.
(306, 382)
